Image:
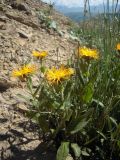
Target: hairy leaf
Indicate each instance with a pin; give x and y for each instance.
(88, 93)
(79, 126)
(76, 149)
(63, 151)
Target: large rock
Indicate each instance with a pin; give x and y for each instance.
(20, 6)
(21, 19)
(4, 85)
(3, 18)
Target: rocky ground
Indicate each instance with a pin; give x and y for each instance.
(21, 31)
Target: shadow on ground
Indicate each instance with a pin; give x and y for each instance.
(38, 153)
(12, 146)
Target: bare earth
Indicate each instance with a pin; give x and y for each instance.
(21, 32)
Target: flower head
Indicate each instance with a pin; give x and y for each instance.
(118, 47)
(40, 55)
(55, 75)
(24, 71)
(88, 53)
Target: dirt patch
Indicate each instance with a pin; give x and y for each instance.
(19, 138)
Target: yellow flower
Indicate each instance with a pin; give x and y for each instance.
(40, 55)
(24, 71)
(55, 75)
(88, 53)
(118, 47)
(69, 71)
(17, 73)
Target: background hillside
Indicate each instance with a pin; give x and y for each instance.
(77, 13)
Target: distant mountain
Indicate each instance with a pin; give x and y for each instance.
(77, 13)
(78, 16)
(64, 9)
(97, 9)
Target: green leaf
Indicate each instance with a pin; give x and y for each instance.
(33, 116)
(79, 126)
(66, 104)
(55, 104)
(74, 37)
(88, 93)
(27, 99)
(118, 143)
(98, 103)
(37, 90)
(60, 33)
(113, 121)
(101, 134)
(29, 84)
(76, 149)
(63, 151)
(84, 153)
(68, 114)
(43, 123)
(43, 69)
(53, 25)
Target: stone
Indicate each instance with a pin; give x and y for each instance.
(1, 8)
(1, 2)
(22, 20)
(2, 27)
(23, 34)
(4, 85)
(13, 16)
(22, 108)
(69, 157)
(21, 42)
(20, 6)
(3, 18)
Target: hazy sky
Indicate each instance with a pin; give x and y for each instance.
(71, 3)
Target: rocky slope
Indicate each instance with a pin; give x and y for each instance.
(23, 28)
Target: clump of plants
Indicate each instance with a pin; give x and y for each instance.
(77, 105)
(46, 20)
